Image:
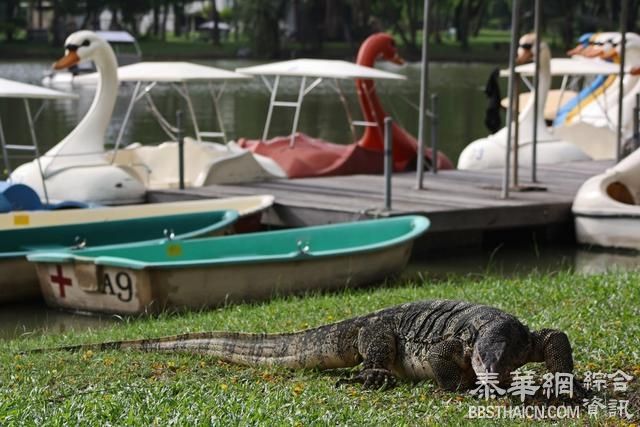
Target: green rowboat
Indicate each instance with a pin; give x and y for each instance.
(192, 274)
(18, 279)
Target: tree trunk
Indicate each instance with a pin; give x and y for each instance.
(478, 12)
(413, 20)
(165, 13)
(56, 37)
(462, 23)
(155, 29)
(215, 17)
(178, 18)
(10, 10)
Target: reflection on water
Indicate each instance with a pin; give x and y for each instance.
(594, 262)
(520, 261)
(36, 318)
(244, 106)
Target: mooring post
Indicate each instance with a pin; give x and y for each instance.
(515, 17)
(623, 41)
(536, 99)
(388, 162)
(180, 147)
(434, 133)
(424, 89)
(636, 123)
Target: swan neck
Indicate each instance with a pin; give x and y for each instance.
(88, 136)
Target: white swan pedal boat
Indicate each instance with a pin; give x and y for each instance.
(607, 207)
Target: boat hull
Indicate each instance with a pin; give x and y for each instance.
(109, 289)
(608, 232)
(198, 273)
(18, 281)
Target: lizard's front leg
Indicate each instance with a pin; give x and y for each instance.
(451, 370)
(377, 347)
(553, 348)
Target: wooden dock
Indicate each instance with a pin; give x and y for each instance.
(462, 203)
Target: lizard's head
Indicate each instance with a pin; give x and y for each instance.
(488, 357)
(501, 351)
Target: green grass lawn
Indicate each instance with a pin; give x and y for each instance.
(599, 313)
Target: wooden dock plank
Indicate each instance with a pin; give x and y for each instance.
(453, 200)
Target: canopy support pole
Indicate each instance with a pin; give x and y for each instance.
(296, 115)
(127, 116)
(5, 152)
(272, 100)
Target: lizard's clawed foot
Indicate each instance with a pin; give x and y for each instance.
(371, 378)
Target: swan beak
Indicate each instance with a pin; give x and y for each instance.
(69, 60)
(635, 71)
(611, 54)
(576, 50)
(592, 52)
(397, 59)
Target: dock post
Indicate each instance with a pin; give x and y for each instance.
(388, 161)
(424, 89)
(623, 32)
(434, 133)
(536, 100)
(515, 17)
(636, 123)
(180, 148)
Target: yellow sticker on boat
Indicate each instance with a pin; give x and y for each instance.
(21, 220)
(174, 250)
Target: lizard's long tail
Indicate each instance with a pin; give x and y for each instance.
(325, 347)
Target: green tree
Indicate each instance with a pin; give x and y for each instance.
(12, 21)
(261, 18)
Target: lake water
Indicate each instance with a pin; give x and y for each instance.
(244, 106)
(243, 109)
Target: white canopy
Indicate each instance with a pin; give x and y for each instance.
(116, 36)
(571, 67)
(325, 68)
(168, 72)
(13, 89)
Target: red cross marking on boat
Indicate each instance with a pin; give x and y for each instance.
(60, 280)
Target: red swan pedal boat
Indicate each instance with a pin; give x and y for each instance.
(303, 156)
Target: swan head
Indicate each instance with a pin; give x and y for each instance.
(80, 46)
(527, 48)
(611, 49)
(602, 45)
(383, 45)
